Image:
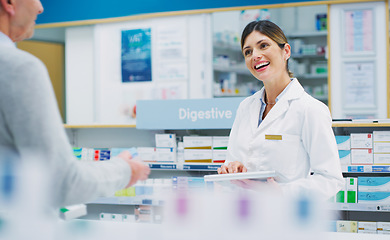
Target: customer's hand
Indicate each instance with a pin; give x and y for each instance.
(139, 171)
(232, 167)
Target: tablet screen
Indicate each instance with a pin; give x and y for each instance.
(261, 175)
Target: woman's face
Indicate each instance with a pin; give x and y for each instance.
(264, 58)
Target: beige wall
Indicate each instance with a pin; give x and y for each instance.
(52, 55)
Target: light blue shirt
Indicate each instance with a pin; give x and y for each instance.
(264, 104)
(6, 41)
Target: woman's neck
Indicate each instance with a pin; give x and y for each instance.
(274, 88)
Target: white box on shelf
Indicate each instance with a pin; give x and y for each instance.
(220, 142)
(382, 158)
(383, 232)
(147, 154)
(381, 147)
(166, 154)
(362, 156)
(191, 142)
(219, 156)
(381, 136)
(165, 140)
(361, 140)
(198, 155)
(368, 226)
(383, 226)
(343, 142)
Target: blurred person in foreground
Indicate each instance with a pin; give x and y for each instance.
(281, 128)
(31, 126)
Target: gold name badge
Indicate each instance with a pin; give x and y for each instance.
(273, 137)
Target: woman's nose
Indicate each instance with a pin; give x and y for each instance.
(257, 54)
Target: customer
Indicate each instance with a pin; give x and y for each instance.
(30, 124)
(281, 127)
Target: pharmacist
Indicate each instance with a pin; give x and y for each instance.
(30, 124)
(281, 127)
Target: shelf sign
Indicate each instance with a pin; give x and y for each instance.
(213, 113)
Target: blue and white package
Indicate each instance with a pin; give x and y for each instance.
(374, 184)
(374, 197)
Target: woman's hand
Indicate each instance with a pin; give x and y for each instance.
(233, 167)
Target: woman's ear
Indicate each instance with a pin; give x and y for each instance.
(287, 51)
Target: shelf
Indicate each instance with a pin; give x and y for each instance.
(236, 69)
(307, 56)
(358, 124)
(313, 76)
(365, 207)
(128, 201)
(100, 126)
(185, 166)
(368, 169)
(307, 34)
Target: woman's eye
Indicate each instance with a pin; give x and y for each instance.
(263, 45)
(247, 52)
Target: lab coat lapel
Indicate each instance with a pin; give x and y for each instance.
(255, 110)
(293, 92)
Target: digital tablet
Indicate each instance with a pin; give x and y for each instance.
(259, 176)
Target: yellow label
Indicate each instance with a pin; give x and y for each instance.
(273, 137)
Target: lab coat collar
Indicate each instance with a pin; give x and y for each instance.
(293, 92)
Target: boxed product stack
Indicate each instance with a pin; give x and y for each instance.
(344, 148)
(220, 149)
(383, 228)
(367, 227)
(374, 190)
(361, 149)
(346, 226)
(198, 149)
(349, 192)
(165, 150)
(381, 147)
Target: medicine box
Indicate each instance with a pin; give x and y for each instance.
(191, 142)
(383, 226)
(367, 226)
(361, 140)
(220, 142)
(166, 154)
(347, 226)
(362, 156)
(381, 147)
(383, 232)
(345, 157)
(219, 156)
(198, 155)
(381, 136)
(147, 154)
(374, 197)
(374, 184)
(351, 190)
(165, 140)
(343, 142)
(382, 158)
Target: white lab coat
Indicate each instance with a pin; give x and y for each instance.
(307, 142)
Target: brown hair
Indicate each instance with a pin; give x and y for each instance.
(270, 30)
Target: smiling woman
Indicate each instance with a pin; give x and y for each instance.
(305, 141)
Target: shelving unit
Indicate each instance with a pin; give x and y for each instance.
(360, 211)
